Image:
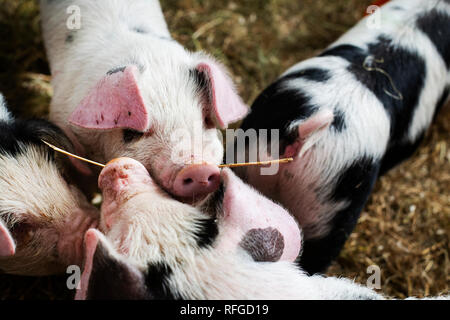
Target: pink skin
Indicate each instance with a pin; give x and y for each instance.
(228, 106)
(71, 234)
(317, 122)
(7, 245)
(196, 181)
(118, 104)
(120, 180)
(91, 240)
(246, 209)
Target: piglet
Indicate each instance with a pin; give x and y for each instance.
(124, 87)
(239, 245)
(42, 218)
(347, 116)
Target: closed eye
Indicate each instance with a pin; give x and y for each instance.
(130, 135)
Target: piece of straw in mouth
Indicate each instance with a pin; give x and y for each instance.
(258, 163)
(72, 155)
(230, 165)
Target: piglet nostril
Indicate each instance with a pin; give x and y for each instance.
(197, 180)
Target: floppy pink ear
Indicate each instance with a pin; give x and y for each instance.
(7, 245)
(105, 275)
(115, 102)
(309, 132)
(226, 103)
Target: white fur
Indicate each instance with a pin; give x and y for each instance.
(152, 227)
(34, 193)
(4, 113)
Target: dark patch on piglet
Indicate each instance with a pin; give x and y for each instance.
(206, 232)
(112, 279)
(115, 70)
(436, 25)
(156, 281)
(264, 245)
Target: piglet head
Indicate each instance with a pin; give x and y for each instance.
(166, 120)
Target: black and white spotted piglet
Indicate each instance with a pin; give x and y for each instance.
(239, 246)
(349, 115)
(42, 218)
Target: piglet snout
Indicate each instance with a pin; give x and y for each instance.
(197, 181)
(120, 173)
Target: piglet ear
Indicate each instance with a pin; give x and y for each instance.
(7, 245)
(264, 229)
(115, 102)
(106, 275)
(308, 132)
(226, 103)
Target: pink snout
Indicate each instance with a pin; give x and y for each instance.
(119, 174)
(196, 181)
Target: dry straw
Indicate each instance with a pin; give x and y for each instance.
(230, 165)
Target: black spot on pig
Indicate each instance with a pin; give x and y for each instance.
(436, 25)
(357, 181)
(139, 30)
(206, 232)
(70, 37)
(134, 62)
(198, 77)
(111, 279)
(399, 152)
(116, 70)
(338, 123)
(144, 31)
(20, 132)
(312, 74)
(407, 71)
(346, 51)
(264, 245)
(156, 280)
(201, 81)
(276, 107)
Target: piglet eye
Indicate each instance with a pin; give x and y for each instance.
(129, 135)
